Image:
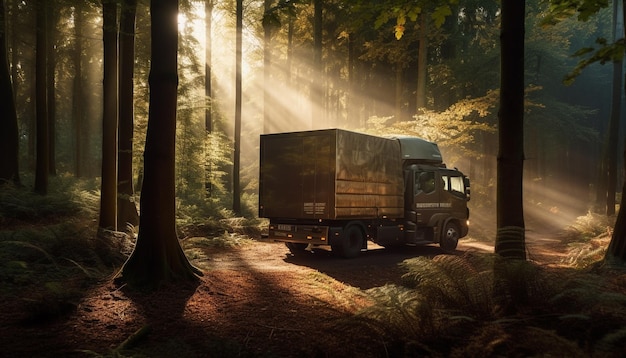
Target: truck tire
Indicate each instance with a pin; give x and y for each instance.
(450, 236)
(351, 242)
(296, 248)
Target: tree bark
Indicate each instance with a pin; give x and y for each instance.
(268, 106)
(41, 109)
(208, 90)
(52, 14)
(9, 138)
(318, 120)
(616, 252)
(108, 193)
(238, 89)
(158, 257)
(77, 92)
(126, 209)
(510, 238)
(422, 64)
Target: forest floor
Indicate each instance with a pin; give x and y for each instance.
(255, 299)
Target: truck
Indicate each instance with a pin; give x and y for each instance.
(342, 189)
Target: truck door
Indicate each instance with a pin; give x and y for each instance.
(426, 192)
(453, 196)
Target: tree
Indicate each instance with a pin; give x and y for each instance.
(108, 194)
(208, 89)
(9, 144)
(510, 238)
(237, 136)
(41, 82)
(126, 209)
(158, 257)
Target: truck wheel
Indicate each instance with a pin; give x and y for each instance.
(351, 242)
(450, 236)
(296, 248)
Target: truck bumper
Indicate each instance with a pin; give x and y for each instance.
(310, 234)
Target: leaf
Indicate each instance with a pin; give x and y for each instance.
(440, 14)
(399, 31)
(583, 51)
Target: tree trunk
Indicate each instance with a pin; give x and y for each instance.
(268, 126)
(208, 90)
(616, 252)
(398, 90)
(77, 92)
(318, 119)
(614, 122)
(510, 238)
(126, 209)
(41, 110)
(422, 64)
(52, 14)
(9, 138)
(158, 257)
(237, 136)
(108, 193)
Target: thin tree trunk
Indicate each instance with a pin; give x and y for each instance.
(41, 169)
(9, 140)
(126, 209)
(318, 119)
(108, 193)
(237, 136)
(422, 64)
(267, 65)
(51, 84)
(614, 122)
(208, 91)
(616, 252)
(77, 92)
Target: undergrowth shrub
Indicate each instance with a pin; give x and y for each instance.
(479, 305)
(588, 238)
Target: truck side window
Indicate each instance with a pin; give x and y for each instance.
(425, 182)
(456, 185)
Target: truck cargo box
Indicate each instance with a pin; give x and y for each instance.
(330, 174)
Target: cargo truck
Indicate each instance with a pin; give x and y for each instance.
(341, 189)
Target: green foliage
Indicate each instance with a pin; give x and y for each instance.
(457, 127)
(563, 9)
(480, 305)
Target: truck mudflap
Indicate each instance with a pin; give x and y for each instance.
(309, 234)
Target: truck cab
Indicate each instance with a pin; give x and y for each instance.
(436, 203)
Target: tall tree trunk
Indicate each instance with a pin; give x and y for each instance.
(268, 127)
(510, 238)
(77, 92)
(208, 90)
(158, 257)
(318, 120)
(614, 122)
(126, 209)
(237, 136)
(422, 64)
(9, 139)
(616, 252)
(41, 168)
(108, 192)
(52, 13)
(399, 87)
